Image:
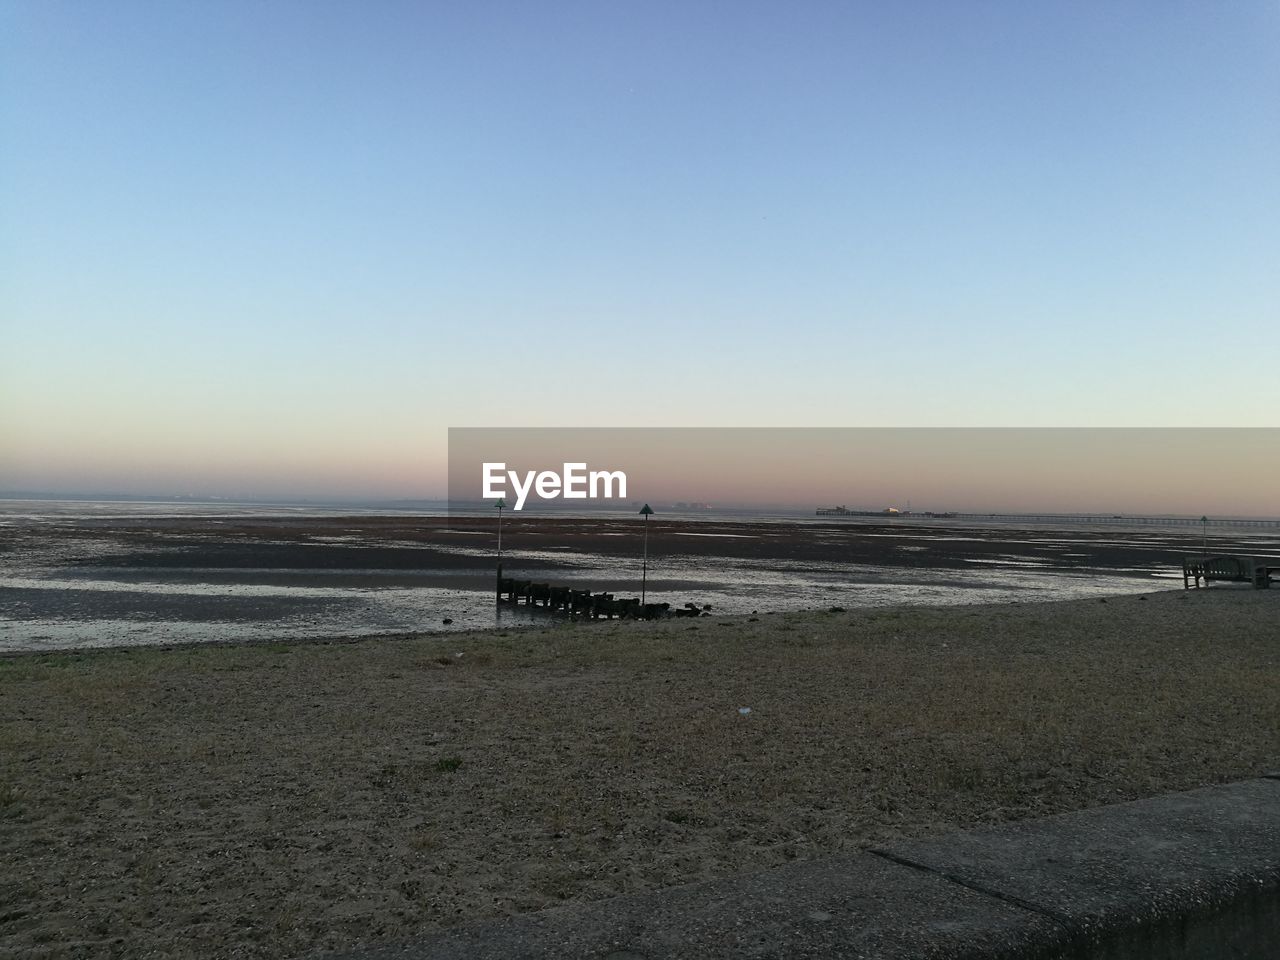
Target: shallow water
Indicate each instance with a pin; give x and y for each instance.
(108, 575)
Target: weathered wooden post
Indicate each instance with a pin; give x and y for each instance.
(646, 511)
(498, 506)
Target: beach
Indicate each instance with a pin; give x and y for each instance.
(282, 799)
(463, 460)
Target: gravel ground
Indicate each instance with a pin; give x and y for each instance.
(281, 799)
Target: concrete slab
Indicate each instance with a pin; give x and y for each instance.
(1160, 869)
(1187, 876)
(857, 906)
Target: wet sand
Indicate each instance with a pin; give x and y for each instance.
(412, 543)
(276, 799)
(69, 581)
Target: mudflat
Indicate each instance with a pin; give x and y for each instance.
(540, 543)
(269, 800)
(70, 578)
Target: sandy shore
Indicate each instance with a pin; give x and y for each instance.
(274, 800)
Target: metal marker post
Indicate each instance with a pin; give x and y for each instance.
(1204, 535)
(498, 581)
(646, 511)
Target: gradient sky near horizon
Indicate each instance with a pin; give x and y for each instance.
(271, 249)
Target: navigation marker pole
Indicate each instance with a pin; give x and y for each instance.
(499, 505)
(646, 511)
(1204, 535)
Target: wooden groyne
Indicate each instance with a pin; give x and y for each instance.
(585, 604)
(1258, 571)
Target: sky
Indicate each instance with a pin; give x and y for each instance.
(279, 249)
(1207, 471)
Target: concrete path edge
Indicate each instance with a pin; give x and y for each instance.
(1183, 876)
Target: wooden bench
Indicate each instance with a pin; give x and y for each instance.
(1258, 571)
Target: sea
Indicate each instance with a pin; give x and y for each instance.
(85, 574)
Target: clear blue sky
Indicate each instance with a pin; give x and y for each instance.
(272, 247)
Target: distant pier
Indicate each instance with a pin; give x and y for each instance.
(1113, 519)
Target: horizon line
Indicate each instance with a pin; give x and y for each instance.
(544, 509)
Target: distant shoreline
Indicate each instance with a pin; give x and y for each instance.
(741, 513)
